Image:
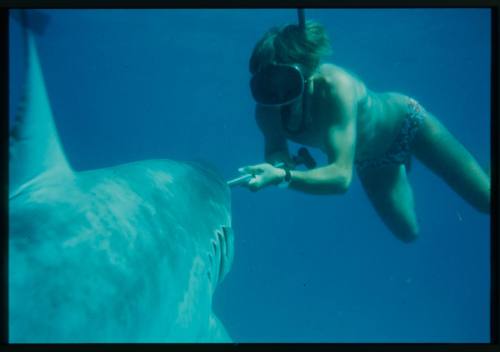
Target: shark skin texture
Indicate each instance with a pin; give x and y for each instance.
(130, 253)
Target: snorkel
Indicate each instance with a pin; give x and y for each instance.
(286, 110)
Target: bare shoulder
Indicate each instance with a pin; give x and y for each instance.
(338, 81)
(334, 73)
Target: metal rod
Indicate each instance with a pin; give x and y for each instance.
(239, 180)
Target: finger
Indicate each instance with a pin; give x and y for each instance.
(254, 183)
(254, 180)
(252, 169)
(244, 170)
(245, 183)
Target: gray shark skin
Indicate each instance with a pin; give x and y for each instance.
(131, 253)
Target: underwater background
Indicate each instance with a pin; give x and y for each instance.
(127, 85)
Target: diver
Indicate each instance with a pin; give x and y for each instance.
(322, 105)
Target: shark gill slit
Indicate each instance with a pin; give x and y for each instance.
(217, 265)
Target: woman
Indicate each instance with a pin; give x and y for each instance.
(324, 106)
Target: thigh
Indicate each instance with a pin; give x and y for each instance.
(391, 194)
(441, 152)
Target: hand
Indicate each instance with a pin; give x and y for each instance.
(263, 175)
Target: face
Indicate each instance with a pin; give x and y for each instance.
(277, 85)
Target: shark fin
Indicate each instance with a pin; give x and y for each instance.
(34, 147)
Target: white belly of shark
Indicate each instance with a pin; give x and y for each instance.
(131, 253)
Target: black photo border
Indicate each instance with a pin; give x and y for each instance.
(6, 5)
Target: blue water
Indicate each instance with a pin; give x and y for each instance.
(131, 85)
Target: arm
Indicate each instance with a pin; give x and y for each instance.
(340, 138)
(334, 178)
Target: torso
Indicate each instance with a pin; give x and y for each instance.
(378, 115)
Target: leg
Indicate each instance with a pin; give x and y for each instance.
(390, 192)
(436, 148)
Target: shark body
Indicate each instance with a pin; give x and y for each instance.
(130, 253)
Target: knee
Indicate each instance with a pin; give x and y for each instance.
(408, 233)
(483, 205)
(484, 208)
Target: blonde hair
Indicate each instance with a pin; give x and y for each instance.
(290, 45)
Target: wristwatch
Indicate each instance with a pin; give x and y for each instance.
(285, 182)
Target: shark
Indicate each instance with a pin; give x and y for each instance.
(131, 253)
